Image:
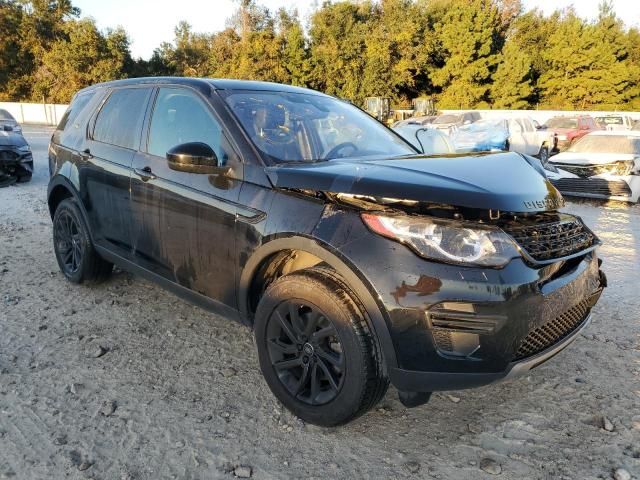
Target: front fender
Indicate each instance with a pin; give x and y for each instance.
(379, 323)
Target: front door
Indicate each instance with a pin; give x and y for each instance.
(185, 222)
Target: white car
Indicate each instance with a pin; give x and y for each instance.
(615, 122)
(603, 164)
(427, 140)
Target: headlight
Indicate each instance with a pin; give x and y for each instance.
(17, 128)
(24, 148)
(550, 167)
(447, 241)
(623, 167)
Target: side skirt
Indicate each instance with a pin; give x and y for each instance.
(190, 296)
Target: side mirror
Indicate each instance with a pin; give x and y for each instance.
(196, 157)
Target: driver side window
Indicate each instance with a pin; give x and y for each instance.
(180, 116)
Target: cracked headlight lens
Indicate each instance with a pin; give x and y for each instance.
(446, 240)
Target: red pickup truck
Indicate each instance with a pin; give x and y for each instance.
(570, 128)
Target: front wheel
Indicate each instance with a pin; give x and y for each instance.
(74, 250)
(316, 350)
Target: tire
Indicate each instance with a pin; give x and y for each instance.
(7, 180)
(77, 259)
(543, 154)
(24, 178)
(342, 354)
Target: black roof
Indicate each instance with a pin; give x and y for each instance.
(216, 83)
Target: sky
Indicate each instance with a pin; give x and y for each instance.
(151, 22)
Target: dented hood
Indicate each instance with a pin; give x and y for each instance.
(500, 181)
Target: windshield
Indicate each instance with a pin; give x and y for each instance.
(563, 122)
(447, 119)
(295, 127)
(610, 120)
(4, 115)
(607, 144)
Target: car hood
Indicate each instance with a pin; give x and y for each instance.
(575, 158)
(11, 139)
(501, 181)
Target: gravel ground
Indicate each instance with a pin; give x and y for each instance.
(127, 381)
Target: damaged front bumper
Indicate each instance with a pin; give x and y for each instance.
(15, 163)
(455, 327)
(625, 188)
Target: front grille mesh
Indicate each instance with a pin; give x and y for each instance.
(550, 236)
(547, 335)
(443, 339)
(597, 186)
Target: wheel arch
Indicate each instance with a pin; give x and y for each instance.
(288, 253)
(61, 188)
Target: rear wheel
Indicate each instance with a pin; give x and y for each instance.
(316, 350)
(74, 250)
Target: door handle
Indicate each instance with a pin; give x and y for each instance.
(145, 174)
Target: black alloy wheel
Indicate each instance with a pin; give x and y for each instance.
(68, 243)
(305, 352)
(73, 247)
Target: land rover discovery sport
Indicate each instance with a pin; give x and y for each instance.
(356, 260)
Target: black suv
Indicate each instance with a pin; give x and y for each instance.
(356, 260)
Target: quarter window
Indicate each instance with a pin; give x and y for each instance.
(180, 116)
(120, 119)
(74, 110)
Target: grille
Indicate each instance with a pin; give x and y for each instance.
(552, 332)
(621, 167)
(550, 236)
(598, 186)
(443, 339)
(8, 155)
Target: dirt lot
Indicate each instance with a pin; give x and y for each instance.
(127, 381)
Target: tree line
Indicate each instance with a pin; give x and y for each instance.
(464, 53)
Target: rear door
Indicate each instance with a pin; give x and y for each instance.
(185, 222)
(105, 166)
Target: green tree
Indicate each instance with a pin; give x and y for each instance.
(338, 48)
(468, 35)
(83, 58)
(587, 65)
(512, 88)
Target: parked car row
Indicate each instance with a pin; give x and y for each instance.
(597, 163)
(16, 160)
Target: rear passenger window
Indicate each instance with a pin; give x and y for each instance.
(75, 109)
(120, 119)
